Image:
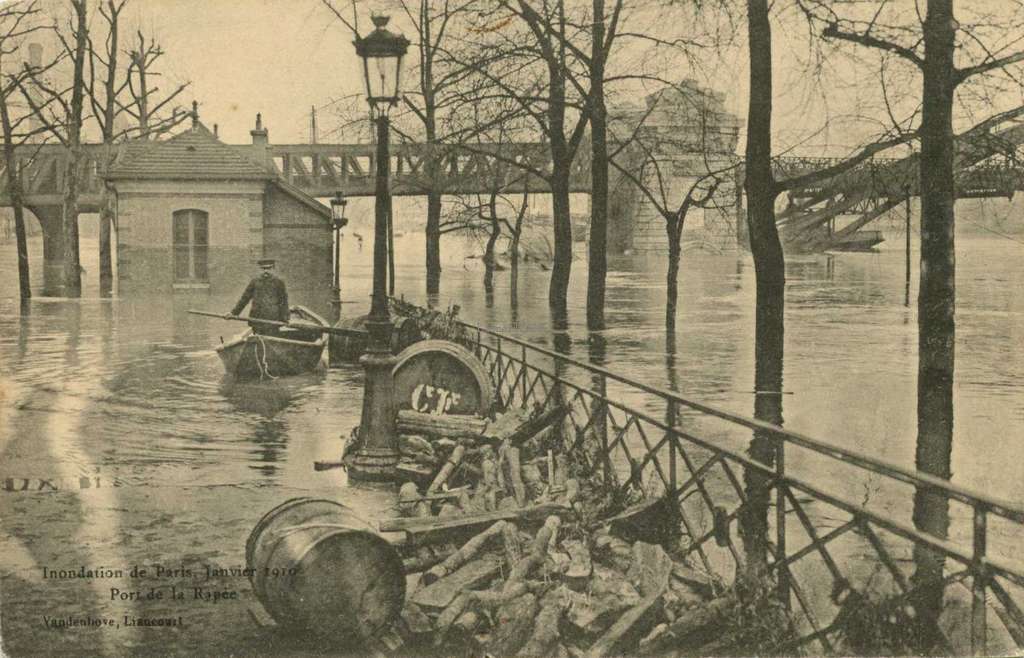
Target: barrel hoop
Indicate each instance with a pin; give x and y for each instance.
(284, 532)
(250, 543)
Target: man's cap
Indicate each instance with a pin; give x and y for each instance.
(266, 262)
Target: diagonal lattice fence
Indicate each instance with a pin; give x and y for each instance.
(839, 522)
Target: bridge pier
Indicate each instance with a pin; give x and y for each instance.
(53, 248)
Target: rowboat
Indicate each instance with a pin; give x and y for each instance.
(294, 350)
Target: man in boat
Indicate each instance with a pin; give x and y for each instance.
(269, 299)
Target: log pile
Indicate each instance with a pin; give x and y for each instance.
(504, 559)
(522, 588)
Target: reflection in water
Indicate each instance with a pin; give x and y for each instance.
(130, 390)
(265, 399)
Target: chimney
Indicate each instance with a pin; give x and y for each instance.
(195, 115)
(259, 133)
(215, 131)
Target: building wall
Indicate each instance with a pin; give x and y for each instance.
(144, 249)
(300, 239)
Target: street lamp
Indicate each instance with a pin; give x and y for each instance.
(338, 222)
(376, 456)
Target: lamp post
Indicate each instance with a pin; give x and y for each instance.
(338, 222)
(376, 456)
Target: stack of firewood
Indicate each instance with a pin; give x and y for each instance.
(504, 558)
(529, 588)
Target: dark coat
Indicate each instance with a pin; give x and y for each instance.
(269, 299)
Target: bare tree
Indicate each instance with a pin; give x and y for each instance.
(108, 105)
(65, 125)
(929, 44)
(17, 21)
(147, 106)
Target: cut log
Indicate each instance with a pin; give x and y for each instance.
(589, 615)
(468, 551)
(694, 628)
(538, 550)
(532, 479)
(526, 430)
(446, 471)
(413, 471)
(698, 581)
(488, 487)
(440, 594)
(424, 560)
(512, 544)
(580, 565)
(628, 630)
(460, 527)
(651, 570)
(515, 474)
(545, 629)
(416, 623)
(416, 446)
(655, 521)
(572, 492)
(408, 496)
(505, 424)
(446, 425)
(513, 626)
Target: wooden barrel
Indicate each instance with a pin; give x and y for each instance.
(348, 349)
(316, 567)
(441, 377)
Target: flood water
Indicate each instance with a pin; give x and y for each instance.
(122, 443)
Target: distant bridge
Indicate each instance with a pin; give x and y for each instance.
(320, 170)
(865, 192)
(984, 166)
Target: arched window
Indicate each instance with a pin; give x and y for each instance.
(191, 241)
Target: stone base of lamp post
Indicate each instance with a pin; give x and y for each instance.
(376, 459)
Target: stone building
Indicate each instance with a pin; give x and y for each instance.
(194, 214)
(677, 137)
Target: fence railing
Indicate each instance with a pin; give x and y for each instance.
(646, 438)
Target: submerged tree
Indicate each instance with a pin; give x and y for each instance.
(930, 45)
(110, 104)
(17, 21)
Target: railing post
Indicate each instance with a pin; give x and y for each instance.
(672, 440)
(524, 374)
(782, 574)
(979, 626)
(479, 344)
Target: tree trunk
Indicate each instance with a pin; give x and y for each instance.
(770, 277)
(672, 276)
(597, 262)
(433, 243)
(72, 168)
(936, 302)
(106, 223)
(561, 268)
(72, 277)
(492, 238)
(14, 193)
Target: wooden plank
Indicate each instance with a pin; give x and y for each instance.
(454, 527)
(439, 594)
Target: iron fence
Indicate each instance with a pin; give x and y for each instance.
(824, 544)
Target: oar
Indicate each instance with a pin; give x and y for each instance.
(335, 331)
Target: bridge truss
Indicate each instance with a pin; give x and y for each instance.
(986, 165)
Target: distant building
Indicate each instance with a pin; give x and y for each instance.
(194, 214)
(679, 134)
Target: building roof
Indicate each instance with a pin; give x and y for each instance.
(195, 155)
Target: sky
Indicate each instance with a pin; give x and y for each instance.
(282, 57)
(276, 57)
